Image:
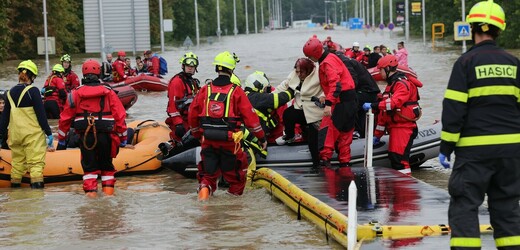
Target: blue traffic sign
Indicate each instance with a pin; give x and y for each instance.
(463, 30)
(382, 26)
(391, 26)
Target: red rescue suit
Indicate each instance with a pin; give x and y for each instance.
(363, 59)
(353, 54)
(181, 91)
(217, 112)
(399, 111)
(99, 106)
(339, 90)
(153, 65)
(55, 91)
(70, 79)
(118, 71)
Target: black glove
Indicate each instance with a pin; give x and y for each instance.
(179, 130)
(62, 145)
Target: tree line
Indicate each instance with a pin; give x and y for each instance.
(21, 22)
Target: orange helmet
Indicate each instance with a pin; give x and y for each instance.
(121, 53)
(91, 66)
(313, 48)
(387, 61)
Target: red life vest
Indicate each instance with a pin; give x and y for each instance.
(92, 105)
(218, 119)
(51, 88)
(410, 111)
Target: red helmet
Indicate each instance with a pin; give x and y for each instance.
(121, 53)
(91, 66)
(387, 61)
(313, 48)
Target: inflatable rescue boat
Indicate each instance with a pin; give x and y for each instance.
(144, 82)
(64, 165)
(126, 94)
(425, 146)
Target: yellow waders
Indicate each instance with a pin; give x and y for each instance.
(26, 140)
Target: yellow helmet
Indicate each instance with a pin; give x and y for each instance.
(66, 58)
(189, 59)
(58, 68)
(235, 80)
(28, 65)
(257, 82)
(487, 12)
(225, 59)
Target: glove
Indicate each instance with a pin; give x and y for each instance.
(50, 139)
(444, 160)
(122, 144)
(375, 141)
(179, 130)
(367, 106)
(61, 145)
(42, 91)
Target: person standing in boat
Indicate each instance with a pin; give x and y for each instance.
(401, 54)
(339, 114)
(118, 67)
(305, 82)
(481, 124)
(216, 115)
(152, 63)
(398, 112)
(54, 93)
(258, 91)
(25, 116)
(98, 116)
(106, 69)
(182, 88)
(70, 79)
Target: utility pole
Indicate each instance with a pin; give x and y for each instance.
(46, 44)
(254, 8)
(247, 18)
(235, 30)
(161, 25)
(407, 22)
(218, 20)
(197, 24)
(262, 14)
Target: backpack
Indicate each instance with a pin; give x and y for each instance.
(163, 66)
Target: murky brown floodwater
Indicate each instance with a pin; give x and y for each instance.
(160, 211)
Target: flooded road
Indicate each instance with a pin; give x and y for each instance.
(161, 211)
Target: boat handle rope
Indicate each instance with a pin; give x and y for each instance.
(137, 165)
(326, 230)
(91, 124)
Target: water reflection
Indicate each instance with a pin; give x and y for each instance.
(102, 217)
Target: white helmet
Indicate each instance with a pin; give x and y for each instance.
(355, 44)
(256, 82)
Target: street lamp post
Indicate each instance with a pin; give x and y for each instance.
(254, 9)
(218, 20)
(247, 18)
(197, 24)
(335, 16)
(235, 30)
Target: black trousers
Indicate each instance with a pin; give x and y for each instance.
(98, 158)
(52, 109)
(469, 182)
(363, 97)
(291, 117)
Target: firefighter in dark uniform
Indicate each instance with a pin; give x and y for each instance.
(481, 125)
(258, 90)
(98, 116)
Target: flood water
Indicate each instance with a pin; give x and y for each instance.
(161, 211)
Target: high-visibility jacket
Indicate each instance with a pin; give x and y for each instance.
(481, 107)
(265, 105)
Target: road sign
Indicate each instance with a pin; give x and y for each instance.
(51, 45)
(391, 26)
(462, 31)
(381, 26)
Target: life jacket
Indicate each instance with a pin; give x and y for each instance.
(92, 108)
(118, 65)
(218, 120)
(49, 88)
(411, 110)
(191, 88)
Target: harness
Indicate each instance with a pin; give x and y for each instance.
(49, 89)
(184, 103)
(406, 104)
(216, 122)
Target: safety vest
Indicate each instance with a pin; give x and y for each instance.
(92, 109)
(219, 121)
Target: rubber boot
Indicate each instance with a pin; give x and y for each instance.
(108, 191)
(204, 193)
(37, 185)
